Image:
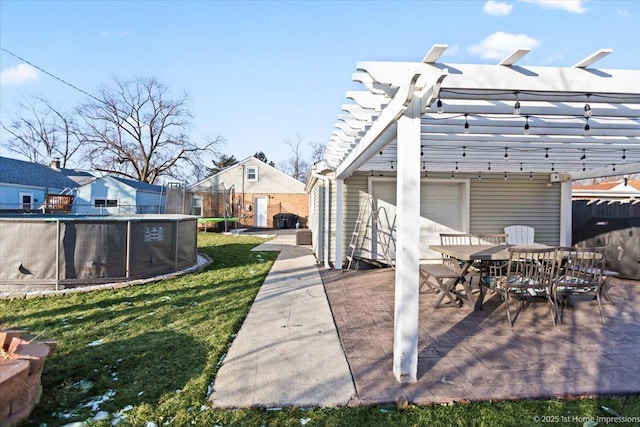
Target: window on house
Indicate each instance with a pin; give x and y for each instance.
(252, 173)
(196, 206)
(105, 203)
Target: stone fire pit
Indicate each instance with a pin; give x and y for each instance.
(21, 363)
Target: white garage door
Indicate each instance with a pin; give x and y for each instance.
(442, 210)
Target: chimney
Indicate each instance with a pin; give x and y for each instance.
(55, 163)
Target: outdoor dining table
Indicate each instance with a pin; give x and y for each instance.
(467, 255)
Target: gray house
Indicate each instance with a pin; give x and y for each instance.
(437, 147)
(30, 187)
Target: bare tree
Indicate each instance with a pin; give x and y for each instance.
(317, 151)
(41, 132)
(295, 166)
(135, 130)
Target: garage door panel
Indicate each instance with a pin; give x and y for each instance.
(441, 211)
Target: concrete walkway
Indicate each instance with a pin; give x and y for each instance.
(287, 352)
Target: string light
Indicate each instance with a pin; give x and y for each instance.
(452, 175)
(479, 175)
(520, 166)
(464, 151)
(456, 165)
(466, 124)
(506, 154)
(583, 167)
(614, 167)
(546, 154)
(553, 167)
(424, 166)
(584, 155)
(530, 176)
(489, 166)
(526, 125)
(439, 106)
(391, 164)
(587, 107)
(505, 176)
(587, 128)
(624, 155)
(516, 106)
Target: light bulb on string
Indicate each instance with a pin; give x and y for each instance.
(526, 126)
(464, 152)
(466, 124)
(587, 107)
(506, 154)
(516, 106)
(546, 154)
(439, 106)
(624, 155)
(530, 176)
(587, 128)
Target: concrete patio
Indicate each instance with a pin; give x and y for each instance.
(474, 355)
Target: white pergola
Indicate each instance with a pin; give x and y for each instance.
(418, 117)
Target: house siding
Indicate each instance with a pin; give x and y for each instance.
(494, 203)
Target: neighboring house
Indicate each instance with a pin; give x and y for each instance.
(32, 187)
(251, 191)
(468, 148)
(120, 196)
(623, 190)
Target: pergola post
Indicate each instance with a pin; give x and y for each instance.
(566, 213)
(407, 280)
(339, 222)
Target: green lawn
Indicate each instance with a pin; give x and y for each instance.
(146, 355)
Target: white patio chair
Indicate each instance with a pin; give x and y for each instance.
(519, 234)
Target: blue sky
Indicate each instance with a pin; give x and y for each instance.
(259, 72)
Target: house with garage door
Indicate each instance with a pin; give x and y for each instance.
(251, 191)
(430, 147)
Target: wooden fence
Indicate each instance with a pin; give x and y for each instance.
(583, 210)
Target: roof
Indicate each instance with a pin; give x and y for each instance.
(579, 120)
(13, 171)
(633, 184)
(139, 185)
(250, 159)
(19, 172)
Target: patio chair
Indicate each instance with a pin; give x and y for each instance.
(581, 275)
(439, 277)
(519, 234)
(528, 276)
(490, 239)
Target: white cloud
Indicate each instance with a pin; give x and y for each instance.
(573, 6)
(115, 33)
(19, 74)
(496, 8)
(499, 45)
(623, 12)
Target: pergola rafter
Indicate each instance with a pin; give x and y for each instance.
(556, 105)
